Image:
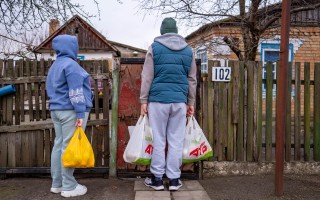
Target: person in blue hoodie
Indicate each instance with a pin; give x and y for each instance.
(168, 91)
(70, 101)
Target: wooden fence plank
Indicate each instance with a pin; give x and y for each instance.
(11, 150)
(225, 119)
(306, 111)
(17, 96)
(25, 149)
(1, 68)
(240, 133)
(216, 143)
(235, 91)
(47, 148)
(40, 147)
(106, 86)
(99, 134)
(29, 66)
(255, 112)
(204, 101)
(259, 111)
(96, 99)
(36, 91)
(250, 113)
(277, 96)
(22, 91)
(235, 104)
(106, 144)
(316, 137)
(297, 113)
(3, 150)
(230, 147)
(32, 148)
(9, 97)
(288, 117)
(4, 111)
(18, 149)
(43, 91)
(269, 94)
(210, 111)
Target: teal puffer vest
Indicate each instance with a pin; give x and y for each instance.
(171, 69)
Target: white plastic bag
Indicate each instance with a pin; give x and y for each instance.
(140, 145)
(196, 146)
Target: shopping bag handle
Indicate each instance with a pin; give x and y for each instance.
(191, 119)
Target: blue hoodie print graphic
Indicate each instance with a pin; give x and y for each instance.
(68, 84)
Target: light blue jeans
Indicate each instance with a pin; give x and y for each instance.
(64, 125)
(168, 123)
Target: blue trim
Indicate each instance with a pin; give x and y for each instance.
(81, 57)
(266, 46)
(275, 46)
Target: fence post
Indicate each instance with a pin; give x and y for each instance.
(316, 138)
(306, 111)
(114, 119)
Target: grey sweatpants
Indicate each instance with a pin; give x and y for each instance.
(168, 123)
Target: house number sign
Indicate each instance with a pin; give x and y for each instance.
(222, 74)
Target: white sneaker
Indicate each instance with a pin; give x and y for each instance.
(78, 191)
(56, 190)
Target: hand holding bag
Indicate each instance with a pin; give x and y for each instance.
(140, 145)
(196, 146)
(79, 151)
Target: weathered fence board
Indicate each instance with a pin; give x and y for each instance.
(297, 113)
(242, 120)
(269, 86)
(288, 118)
(316, 138)
(26, 130)
(307, 111)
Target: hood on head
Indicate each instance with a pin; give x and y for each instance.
(66, 46)
(172, 40)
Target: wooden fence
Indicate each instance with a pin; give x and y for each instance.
(239, 117)
(26, 130)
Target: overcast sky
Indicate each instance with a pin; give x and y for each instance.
(121, 22)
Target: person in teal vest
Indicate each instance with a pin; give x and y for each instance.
(167, 95)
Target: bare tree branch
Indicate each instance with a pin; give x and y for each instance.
(235, 48)
(253, 17)
(17, 16)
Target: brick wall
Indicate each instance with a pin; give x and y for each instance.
(309, 51)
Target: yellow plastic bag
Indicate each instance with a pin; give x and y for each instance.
(79, 151)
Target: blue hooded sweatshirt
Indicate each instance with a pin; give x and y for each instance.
(68, 84)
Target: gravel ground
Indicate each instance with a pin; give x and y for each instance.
(233, 187)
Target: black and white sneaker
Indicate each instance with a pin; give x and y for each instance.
(154, 182)
(175, 184)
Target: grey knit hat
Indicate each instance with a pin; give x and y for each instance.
(168, 25)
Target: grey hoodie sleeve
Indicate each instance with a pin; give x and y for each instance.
(147, 76)
(192, 79)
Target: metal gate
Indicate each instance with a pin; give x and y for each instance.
(129, 111)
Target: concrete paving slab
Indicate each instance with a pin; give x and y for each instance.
(152, 195)
(139, 186)
(190, 195)
(191, 185)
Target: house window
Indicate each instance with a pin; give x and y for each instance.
(271, 53)
(202, 54)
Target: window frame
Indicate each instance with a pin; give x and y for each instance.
(273, 47)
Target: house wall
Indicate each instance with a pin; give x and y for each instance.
(306, 49)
